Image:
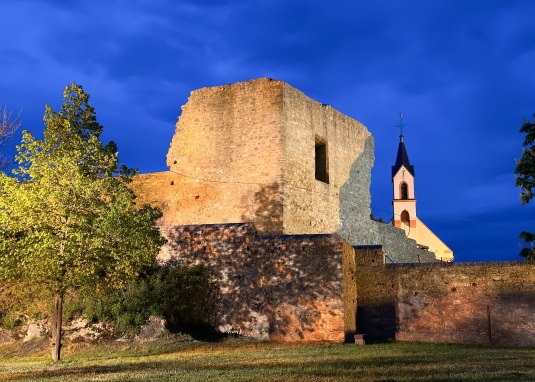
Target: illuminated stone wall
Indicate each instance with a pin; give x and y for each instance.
(479, 303)
(225, 159)
(246, 153)
(315, 206)
(278, 287)
(474, 303)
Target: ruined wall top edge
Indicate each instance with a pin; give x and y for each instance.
(276, 82)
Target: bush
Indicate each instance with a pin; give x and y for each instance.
(182, 295)
(20, 301)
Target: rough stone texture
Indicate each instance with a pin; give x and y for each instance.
(310, 205)
(153, 328)
(278, 287)
(397, 247)
(77, 330)
(246, 153)
(80, 330)
(476, 303)
(76, 324)
(7, 336)
(350, 292)
(225, 159)
(377, 294)
(35, 329)
(481, 303)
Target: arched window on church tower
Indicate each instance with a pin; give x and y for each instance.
(405, 218)
(404, 191)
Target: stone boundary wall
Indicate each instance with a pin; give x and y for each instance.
(472, 303)
(376, 294)
(480, 304)
(454, 265)
(277, 287)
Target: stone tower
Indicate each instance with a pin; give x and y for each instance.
(261, 151)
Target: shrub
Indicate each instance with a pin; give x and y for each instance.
(182, 295)
(20, 301)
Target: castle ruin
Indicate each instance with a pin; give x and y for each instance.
(271, 190)
(261, 151)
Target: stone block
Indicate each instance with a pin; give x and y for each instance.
(359, 339)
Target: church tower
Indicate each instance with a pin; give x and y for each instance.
(404, 204)
(403, 181)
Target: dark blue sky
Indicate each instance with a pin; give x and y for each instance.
(463, 72)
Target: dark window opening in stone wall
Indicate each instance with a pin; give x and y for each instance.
(322, 164)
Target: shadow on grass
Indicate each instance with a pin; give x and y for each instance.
(202, 332)
(435, 364)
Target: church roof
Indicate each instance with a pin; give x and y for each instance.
(402, 159)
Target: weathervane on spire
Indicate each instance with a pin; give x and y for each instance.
(401, 126)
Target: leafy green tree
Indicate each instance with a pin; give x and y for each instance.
(67, 217)
(525, 180)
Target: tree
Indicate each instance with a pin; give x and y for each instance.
(8, 126)
(67, 216)
(525, 180)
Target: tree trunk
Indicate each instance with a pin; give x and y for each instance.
(56, 327)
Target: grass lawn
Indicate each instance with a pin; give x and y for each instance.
(239, 360)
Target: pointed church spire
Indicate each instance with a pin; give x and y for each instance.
(402, 159)
(401, 126)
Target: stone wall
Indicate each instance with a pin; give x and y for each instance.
(278, 287)
(376, 294)
(480, 303)
(225, 159)
(396, 245)
(311, 205)
(476, 303)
